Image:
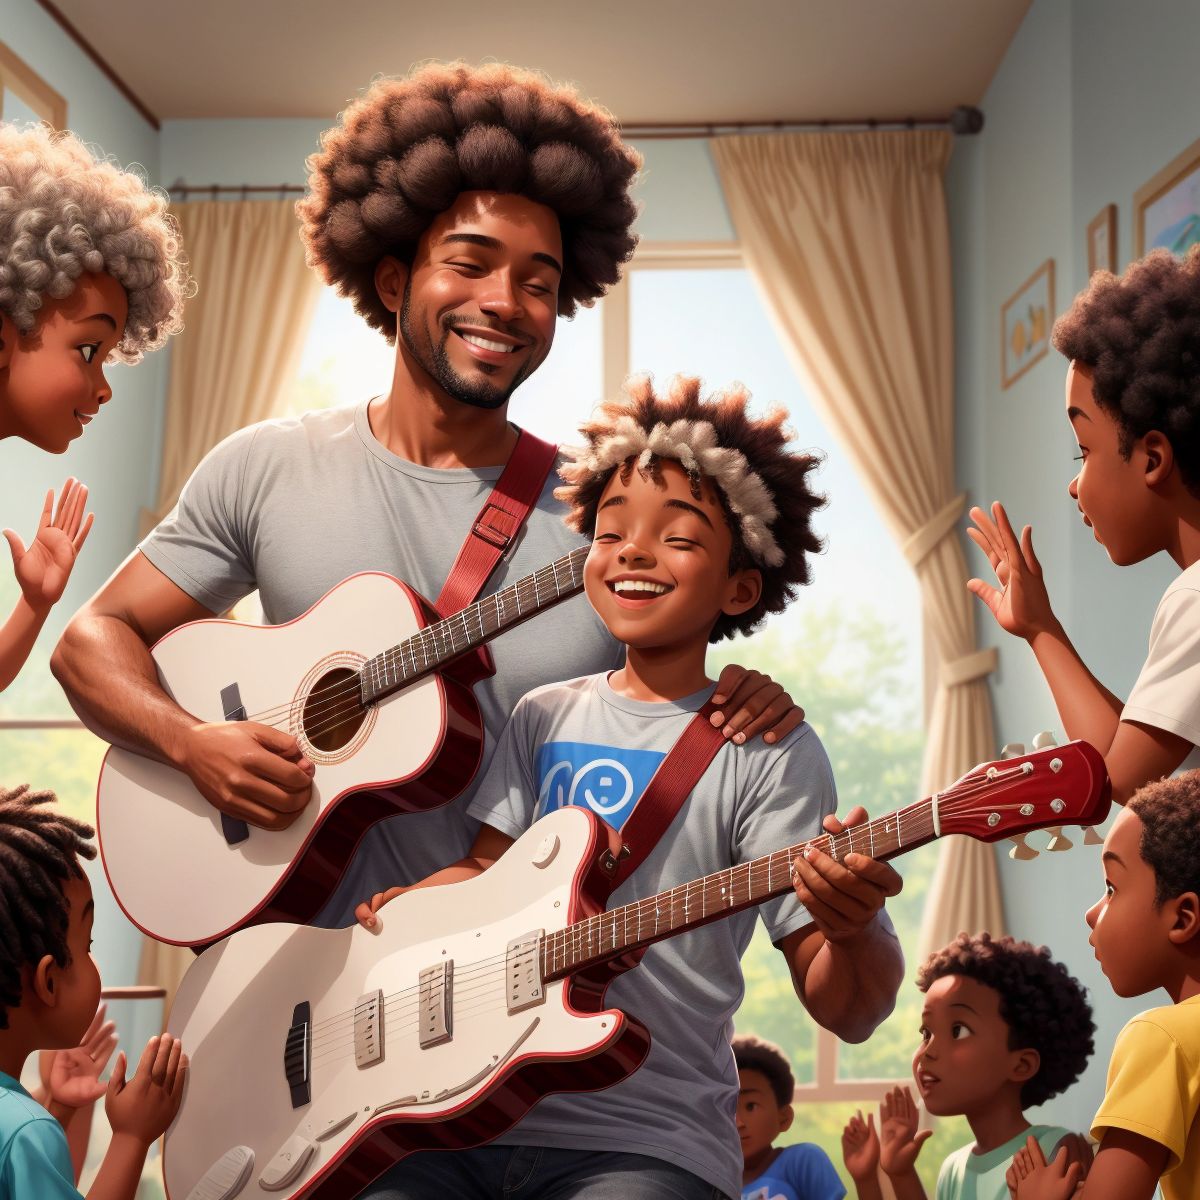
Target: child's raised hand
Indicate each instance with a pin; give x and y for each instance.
(1021, 605)
(43, 569)
(147, 1104)
(1031, 1178)
(900, 1143)
(72, 1077)
(860, 1147)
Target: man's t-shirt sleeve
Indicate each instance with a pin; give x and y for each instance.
(38, 1163)
(1167, 692)
(507, 798)
(202, 546)
(1152, 1090)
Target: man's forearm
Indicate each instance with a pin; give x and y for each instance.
(1087, 708)
(850, 986)
(109, 677)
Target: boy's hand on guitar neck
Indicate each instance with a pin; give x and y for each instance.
(253, 772)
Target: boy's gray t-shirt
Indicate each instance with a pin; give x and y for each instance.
(294, 506)
(582, 743)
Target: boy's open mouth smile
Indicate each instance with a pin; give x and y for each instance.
(634, 591)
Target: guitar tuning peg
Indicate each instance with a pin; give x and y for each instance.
(1091, 837)
(1044, 740)
(1021, 850)
(1012, 750)
(1058, 840)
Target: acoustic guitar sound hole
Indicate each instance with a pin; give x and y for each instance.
(333, 713)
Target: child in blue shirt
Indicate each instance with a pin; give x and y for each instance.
(765, 1088)
(49, 989)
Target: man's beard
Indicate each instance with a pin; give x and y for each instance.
(435, 360)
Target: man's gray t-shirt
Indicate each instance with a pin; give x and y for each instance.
(294, 506)
(582, 743)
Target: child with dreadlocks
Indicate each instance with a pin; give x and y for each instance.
(700, 520)
(90, 273)
(49, 989)
(1004, 1027)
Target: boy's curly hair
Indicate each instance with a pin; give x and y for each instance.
(39, 851)
(65, 213)
(1044, 1007)
(754, 1054)
(1169, 811)
(405, 151)
(1139, 334)
(763, 443)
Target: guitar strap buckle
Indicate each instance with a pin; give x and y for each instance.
(496, 526)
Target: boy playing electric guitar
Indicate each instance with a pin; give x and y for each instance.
(700, 524)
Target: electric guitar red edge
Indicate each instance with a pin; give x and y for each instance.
(319, 1058)
(377, 692)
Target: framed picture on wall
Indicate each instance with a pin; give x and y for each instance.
(1025, 324)
(1102, 240)
(1166, 209)
(25, 95)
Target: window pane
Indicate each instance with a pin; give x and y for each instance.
(848, 649)
(770, 1009)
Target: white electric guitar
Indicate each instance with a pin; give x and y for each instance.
(376, 690)
(321, 1057)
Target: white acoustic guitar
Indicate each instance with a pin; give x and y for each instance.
(376, 690)
(321, 1057)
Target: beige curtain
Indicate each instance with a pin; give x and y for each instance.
(846, 237)
(231, 366)
(237, 356)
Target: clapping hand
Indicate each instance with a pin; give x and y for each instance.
(900, 1143)
(43, 569)
(1021, 605)
(860, 1147)
(72, 1077)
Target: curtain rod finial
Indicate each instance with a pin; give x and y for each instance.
(966, 119)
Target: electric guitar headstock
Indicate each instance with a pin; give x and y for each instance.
(1046, 788)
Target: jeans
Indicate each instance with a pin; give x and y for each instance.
(537, 1173)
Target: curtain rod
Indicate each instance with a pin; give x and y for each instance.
(964, 120)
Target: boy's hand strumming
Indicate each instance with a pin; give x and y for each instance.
(43, 569)
(860, 1147)
(1021, 605)
(147, 1104)
(900, 1143)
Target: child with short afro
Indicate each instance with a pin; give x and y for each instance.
(1146, 934)
(700, 515)
(1004, 1028)
(49, 990)
(1133, 402)
(801, 1171)
(90, 273)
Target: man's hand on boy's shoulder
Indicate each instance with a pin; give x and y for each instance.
(750, 703)
(843, 896)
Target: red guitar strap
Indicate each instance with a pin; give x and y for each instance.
(498, 523)
(673, 782)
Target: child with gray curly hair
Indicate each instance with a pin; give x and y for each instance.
(90, 273)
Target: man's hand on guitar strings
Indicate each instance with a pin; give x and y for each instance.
(844, 897)
(253, 772)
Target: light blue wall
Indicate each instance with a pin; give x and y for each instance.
(119, 457)
(1091, 100)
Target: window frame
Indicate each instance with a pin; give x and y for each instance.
(18, 77)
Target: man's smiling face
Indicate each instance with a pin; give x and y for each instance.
(481, 297)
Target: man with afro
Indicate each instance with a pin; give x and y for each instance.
(1004, 1028)
(1133, 401)
(90, 274)
(463, 210)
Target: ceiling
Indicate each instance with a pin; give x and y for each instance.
(648, 61)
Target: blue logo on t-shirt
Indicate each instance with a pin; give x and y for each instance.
(607, 779)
